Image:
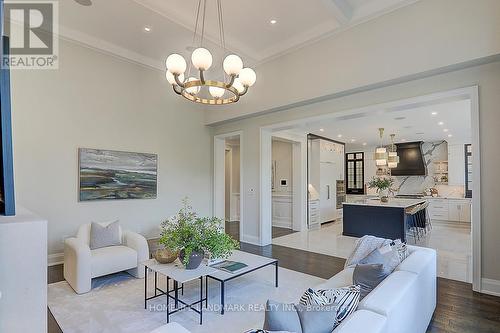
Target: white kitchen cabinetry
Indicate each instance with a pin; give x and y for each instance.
(459, 210)
(452, 210)
(314, 214)
(456, 164)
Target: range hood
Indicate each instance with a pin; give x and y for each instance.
(411, 160)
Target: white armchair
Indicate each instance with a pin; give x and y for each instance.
(81, 264)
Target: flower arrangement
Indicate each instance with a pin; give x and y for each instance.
(381, 183)
(191, 234)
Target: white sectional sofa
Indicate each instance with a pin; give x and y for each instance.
(403, 302)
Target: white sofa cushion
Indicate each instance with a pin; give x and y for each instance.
(112, 259)
(362, 321)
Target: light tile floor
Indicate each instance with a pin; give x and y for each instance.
(452, 243)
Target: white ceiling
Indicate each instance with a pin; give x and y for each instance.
(117, 26)
(409, 123)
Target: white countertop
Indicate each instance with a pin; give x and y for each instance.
(375, 201)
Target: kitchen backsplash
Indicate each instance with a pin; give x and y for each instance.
(433, 152)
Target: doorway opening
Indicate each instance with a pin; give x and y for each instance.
(445, 126)
(227, 182)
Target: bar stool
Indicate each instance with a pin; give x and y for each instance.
(412, 216)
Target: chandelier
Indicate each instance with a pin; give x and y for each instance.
(381, 151)
(392, 158)
(235, 79)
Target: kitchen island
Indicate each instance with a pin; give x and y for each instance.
(369, 216)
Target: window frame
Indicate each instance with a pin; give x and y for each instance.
(350, 190)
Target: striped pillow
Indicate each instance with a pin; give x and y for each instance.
(346, 299)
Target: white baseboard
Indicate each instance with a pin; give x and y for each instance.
(284, 223)
(490, 287)
(55, 259)
(254, 240)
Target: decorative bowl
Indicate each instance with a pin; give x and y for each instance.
(166, 256)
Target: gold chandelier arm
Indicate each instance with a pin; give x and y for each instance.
(231, 80)
(179, 83)
(177, 89)
(244, 91)
(202, 77)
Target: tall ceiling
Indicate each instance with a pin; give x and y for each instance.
(117, 26)
(435, 121)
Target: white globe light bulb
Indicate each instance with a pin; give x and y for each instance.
(232, 64)
(202, 59)
(192, 90)
(176, 64)
(216, 92)
(238, 85)
(171, 78)
(247, 77)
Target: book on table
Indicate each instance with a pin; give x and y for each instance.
(230, 266)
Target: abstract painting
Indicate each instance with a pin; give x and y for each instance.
(112, 175)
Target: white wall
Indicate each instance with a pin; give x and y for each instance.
(282, 155)
(98, 101)
(424, 36)
(486, 76)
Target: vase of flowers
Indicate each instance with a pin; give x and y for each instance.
(383, 186)
(194, 237)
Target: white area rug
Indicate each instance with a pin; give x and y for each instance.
(116, 303)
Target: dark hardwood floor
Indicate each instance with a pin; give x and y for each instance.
(459, 309)
(233, 229)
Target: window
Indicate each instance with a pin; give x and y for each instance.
(355, 173)
(468, 170)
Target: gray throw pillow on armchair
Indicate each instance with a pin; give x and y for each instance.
(317, 319)
(103, 236)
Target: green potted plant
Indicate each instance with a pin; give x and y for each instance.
(195, 236)
(383, 186)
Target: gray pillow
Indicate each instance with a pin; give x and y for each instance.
(368, 276)
(317, 319)
(103, 236)
(281, 317)
(387, 255)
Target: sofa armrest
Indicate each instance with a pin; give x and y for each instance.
(77, 265)
(140, 245)
(362, 321)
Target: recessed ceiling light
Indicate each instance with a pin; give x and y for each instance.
(434, 113)
(440, 123)
(364, 143)
(321, 129)
(148, 29)
(445, 130)
(273, 21)
(339, 136)
(449, 135)
(403, 140)
(353, 140)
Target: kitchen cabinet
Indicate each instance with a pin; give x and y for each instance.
(452, 210)
(456, 165)
(314, 214)
(459, 210)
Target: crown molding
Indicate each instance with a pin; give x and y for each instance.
(108, 48)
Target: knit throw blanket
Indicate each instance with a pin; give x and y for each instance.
(363, 247)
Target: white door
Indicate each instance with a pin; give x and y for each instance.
(328, 183)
